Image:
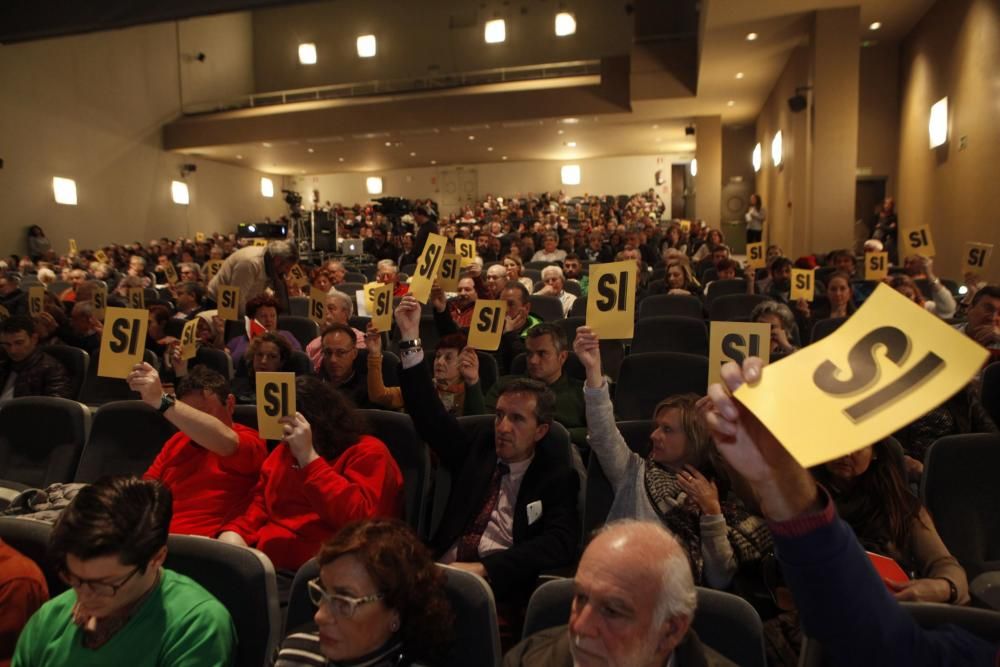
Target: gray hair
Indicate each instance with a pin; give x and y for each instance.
(283, 250)
(678, 596)
(552, 268)
(189, 266)
(387, 264)
(342, 299)
(774, 308)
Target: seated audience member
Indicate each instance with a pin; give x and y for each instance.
(320, 280)
(514, 266)
(680, 280)
(336, 272)
(597, 252)
(782, 322)
(496, 476)
(123, 606)
(677, 484)
(27, 370)
(839, 302)
(573, 270)
(633, 604)
(339, 310)
(137, 269)
(264, 310)
(48, 329)
(983, 318)
(379, 599)
(387, 273)
(461, 306)
(713, 239)
(76, 278)
(157, 339)
(344, 366)
(546, 351)
(190, 272)
(496, 280)
(324, 474)
(550, 251)
(408, 254)
(268, 353)
(842, 602)
(456, 376)
(22, 591)
(189, 297)
(942, 302)
(778, 284)
(85, 327)
(553, 278)
(12, 298)
(211, 464)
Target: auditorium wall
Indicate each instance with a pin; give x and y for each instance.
(90, 108)
(952, 52)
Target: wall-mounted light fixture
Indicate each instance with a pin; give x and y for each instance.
(776, 149)
(937, 126)
(756, 159)
(374, 185)
(570, 174)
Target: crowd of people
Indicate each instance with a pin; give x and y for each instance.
(716, 502)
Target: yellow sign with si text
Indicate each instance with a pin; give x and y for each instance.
(229, 302)
(487, 324)
(123, 341)
(101, 256)
(427, 267)
(170, 272)
(317, 305)
(889, 363)
(379, 297)
(685, 226)
(917, 241)
(275, 399)
(136, 297)
(36, 300)
(199, 236)
(260, 242)
(466, 251)
(977, 257)
(735, 341)
(803, 284)
(756, 256)
(449, 274)
(611, 300)
(100, 300)
(297, 276)
(72, 248)
(189, 339)
(876, 265)
(211, 267)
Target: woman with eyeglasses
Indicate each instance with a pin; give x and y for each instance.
(379, 600)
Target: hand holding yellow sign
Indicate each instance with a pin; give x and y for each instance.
(317, 305)
(803, 284)
(977, 257)
(876, 265)
(487, 324)
(123, 341)
(466, 250)
(448, 276)
(756, 258)
(735, 341)
(917, 241)
(611, 300)
(380, 305)
(189, 339)
(229, 302)
(427, 267)
(36, 300)
(275, 399)
(297, 276)
(864, 381)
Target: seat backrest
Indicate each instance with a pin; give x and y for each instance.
(76, 362)
(41, 439)
(243, 580)
(734, 307)
(670, 304)
(489, 370)
(573, 287)
(349, 288)
(547, 307)
(299, 363)
(647, 378)
(569, 326)
(477, 640)
(217, 360)
(670, 333)
(823, 328)
(717, 288)
(959, 488)
(355, 277)
(579, 307)
(99, 390)
(298, 306)
(302, 328)
(991, 391)
(724, 622)
(124, 439)
(396, 430)
(246, 415)
(31, 538)
(600, 495)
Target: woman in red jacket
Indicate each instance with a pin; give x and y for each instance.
(323, 475)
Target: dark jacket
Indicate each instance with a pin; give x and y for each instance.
(547, 544)
(16, 302)
(38, 375)
(550, 648)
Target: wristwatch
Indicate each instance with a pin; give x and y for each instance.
(166, 402)
(953, 595)
(409, 344)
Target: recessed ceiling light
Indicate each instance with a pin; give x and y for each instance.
(340, 159)
(472, 137)
(64, 190)
(559, 131)
(388, 143)
(266, 187)
(875, 25)
(266, 145)
(571, 121)
(731, 103)
(489, 148)
(311, 150)
(434, 161)
(239, 157)
(412, 154)
(751, 36)
(307, 54)
(496, 31)
(739, 75)
(503, 157)
(366, 46)
(565, 24)
(571, 144)
(178, 192)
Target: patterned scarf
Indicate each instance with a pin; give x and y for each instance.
(748, 534)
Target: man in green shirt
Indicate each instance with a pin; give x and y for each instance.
(123, 607)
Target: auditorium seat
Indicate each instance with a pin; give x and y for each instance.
(355, 277)
(41, 439)
(569, 326)
(579, 307)
(991, 391)
(76, 362)
(350, 289)
(304, 329)
(98, 390)
(719, 288)
(667, 333)
(489, 371)
(547, 307)
(298, 306)
(31, 538)
(823, 328)
(647, 378)
(299, 363)
(734, 307)
(124, 439)
(679, 305)
(600, 493)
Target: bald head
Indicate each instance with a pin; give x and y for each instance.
(496, 279)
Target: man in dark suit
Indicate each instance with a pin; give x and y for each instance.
(511, 514)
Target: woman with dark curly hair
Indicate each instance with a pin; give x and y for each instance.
(380, 601)
(324, 474)
(264, 310)
(268, 353)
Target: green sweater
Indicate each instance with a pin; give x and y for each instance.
(179, 625)
(571, 411)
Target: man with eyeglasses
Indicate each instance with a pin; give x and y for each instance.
(343, 365)
(123, 606)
